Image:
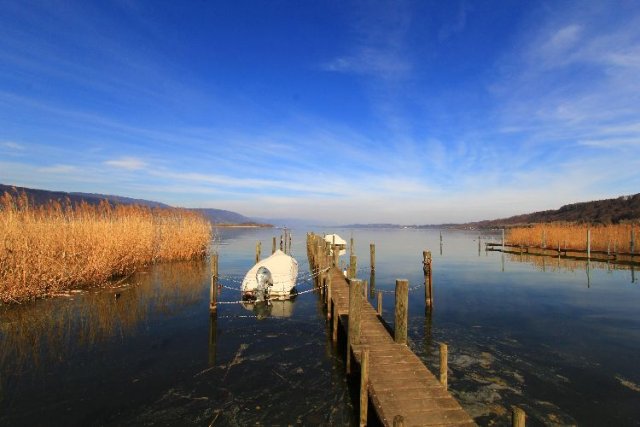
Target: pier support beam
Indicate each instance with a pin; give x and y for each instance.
(364, 386)
(401, 311)
(355, 306)
(213, 291)
(444, 354)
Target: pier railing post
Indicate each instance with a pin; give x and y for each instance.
(428, 280)
(213, 291)
(281, 243)
(329, 279)
(379, 303)
(398, 421)
(518, 417)
(353, 262)
(355, 305)
(364, 386)
(258, 251)
(372, 255)
(401, 311)
(444, 354)
(273, 245)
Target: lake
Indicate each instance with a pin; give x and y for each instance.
(559, 338)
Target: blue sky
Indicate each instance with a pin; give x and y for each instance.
(406, 112)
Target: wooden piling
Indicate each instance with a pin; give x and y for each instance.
(364, 386)
(353, 262)
(427, 265)
(444, 352)
(379, 303)
(258, 251)
(273, 245)
(213, 291)
(401, 311)
(518, 417)
(336, 254)
(398, 421)
(503, 239)
(632, 242)
(329, 297)
(351, 251)
(372, 255)
(588, 243)
(355, 305)
(281, 243)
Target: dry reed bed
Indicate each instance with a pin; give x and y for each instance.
(616, 237)
(55, 247)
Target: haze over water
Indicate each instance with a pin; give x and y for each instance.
(545, 337)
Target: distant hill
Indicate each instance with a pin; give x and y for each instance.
(217, 216)
(609, 211)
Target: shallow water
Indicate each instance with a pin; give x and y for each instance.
(556, 337)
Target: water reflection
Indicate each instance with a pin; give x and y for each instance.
(271, 308)
(47, 331)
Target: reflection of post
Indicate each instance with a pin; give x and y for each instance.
(427, 330)
(502, 256)
(633, 275)
(479, 243)
(588, 273)
(213, 337)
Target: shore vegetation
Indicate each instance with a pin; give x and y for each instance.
(53, 247)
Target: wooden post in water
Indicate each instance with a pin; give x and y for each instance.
(372, 255)
(518, 417)
(632, 242)
(352, 267)
(444, 353)
(398, 421)
(503, 239)
(365, 289)
(428, 280)
(336, 254)
(290, 239)
(364, 386)
(401, 311)
(258, 251)
(273, 245)
(213, 292)
(351, 246)
(588, 243)
(355, 305)
(281, 243)
(329, 296)
(380, 303)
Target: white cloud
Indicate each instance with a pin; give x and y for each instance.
(12, 145)
(59, 168)
(128, 163)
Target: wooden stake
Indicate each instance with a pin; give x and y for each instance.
(329, 296)
(398, 421)
(518, 417)
(364, 386)
(588, 243)
(355, 304)
(372, 255)
(379, 303)
(443, 364)
(273, 245)
(213, 292)
(258, 251)
(401, 311)
(353, 261)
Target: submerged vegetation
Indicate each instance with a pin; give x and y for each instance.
(56, 246)
(614, 238)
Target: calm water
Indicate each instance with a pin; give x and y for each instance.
(559, 338)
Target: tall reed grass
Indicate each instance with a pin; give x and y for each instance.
(58, 246)
(616, 237)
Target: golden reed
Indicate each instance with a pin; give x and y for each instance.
(57, 246)
(615, 237)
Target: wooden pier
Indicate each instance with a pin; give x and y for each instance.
(617, 257)
(395, 383)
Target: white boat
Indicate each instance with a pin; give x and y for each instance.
(334, 239)
(273, 278)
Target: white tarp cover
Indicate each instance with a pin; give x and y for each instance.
(283, 269)
(338, 240)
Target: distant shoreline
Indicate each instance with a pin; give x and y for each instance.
(242, 225)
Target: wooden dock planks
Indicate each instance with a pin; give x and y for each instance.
(399, 383)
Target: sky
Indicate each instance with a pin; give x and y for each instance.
(410, 112)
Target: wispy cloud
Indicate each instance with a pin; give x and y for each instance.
(12, 145)
(59, 169)
(128, 163)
